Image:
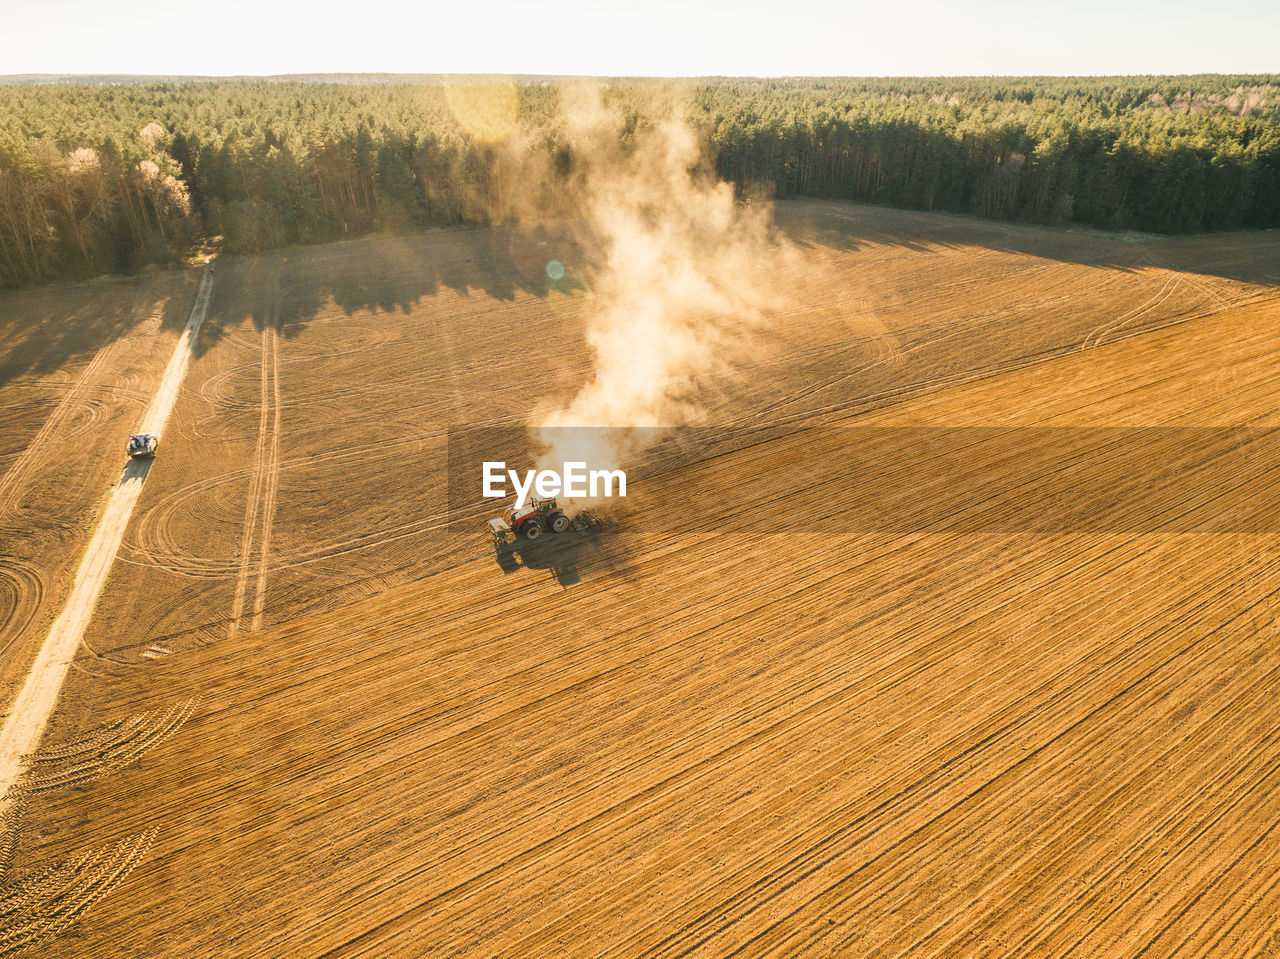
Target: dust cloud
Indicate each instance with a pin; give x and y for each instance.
(684, 282)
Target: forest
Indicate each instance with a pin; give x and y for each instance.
(113, 175)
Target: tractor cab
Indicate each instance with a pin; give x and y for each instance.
(513, 515)
(536, 517)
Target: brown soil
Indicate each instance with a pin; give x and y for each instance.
(742, 718)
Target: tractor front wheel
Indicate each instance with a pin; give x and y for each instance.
(532, 529)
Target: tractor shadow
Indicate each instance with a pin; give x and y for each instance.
(569, 557)
(561, 556)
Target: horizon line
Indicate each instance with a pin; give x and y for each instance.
(53, 75)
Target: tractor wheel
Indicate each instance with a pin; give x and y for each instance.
(532, 529)
(559, 523)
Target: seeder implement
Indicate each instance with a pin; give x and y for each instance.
(504, 537)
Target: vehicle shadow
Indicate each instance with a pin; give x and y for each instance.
(561, 557)
(135, 470)
(570, 557)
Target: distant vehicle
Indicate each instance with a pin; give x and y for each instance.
(143, 445)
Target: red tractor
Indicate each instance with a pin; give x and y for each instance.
(532, 520)
(529, 521)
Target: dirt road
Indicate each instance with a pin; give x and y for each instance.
(26, 721)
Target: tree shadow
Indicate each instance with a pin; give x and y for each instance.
(1245, 256)
(288, 289)
(847, 228)
(45, 329)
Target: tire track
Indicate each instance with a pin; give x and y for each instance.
(263, 481)
(22, 588)
(112, 747)
(272, 483)
(1099, 334)
(43, 445)
(40, 907)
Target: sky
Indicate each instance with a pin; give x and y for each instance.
(651, 38)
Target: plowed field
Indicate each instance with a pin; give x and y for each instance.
(969, 649)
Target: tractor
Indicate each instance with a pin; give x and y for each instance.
(533, 520)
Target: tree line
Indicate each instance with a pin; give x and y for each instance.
(113, 176)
